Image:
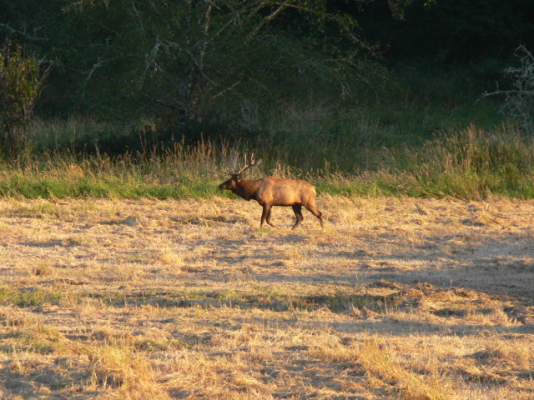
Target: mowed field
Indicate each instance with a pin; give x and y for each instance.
(394, 298)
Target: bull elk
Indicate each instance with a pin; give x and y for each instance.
(271, 191)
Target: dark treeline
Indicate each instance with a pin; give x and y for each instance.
(451, 31)
(223, 68)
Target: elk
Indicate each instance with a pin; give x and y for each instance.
(272, 191)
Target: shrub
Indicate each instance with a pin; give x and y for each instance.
(20, 83)
(519, 101)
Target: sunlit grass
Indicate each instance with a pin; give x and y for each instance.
(466, 163)
(397, 298)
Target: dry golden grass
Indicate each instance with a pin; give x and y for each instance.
(394, 298)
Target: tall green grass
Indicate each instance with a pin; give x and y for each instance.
(471, 163)
(466, 162)
(180, 171)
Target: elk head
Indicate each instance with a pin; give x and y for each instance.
(232, 183)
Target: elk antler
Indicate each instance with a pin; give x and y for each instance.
(252, 163)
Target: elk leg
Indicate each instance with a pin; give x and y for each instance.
(298, 214)
(263, 214)
(266, 215)
(311, 208)
(269, 216)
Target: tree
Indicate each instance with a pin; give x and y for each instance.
(188, 60)
(20, 84)
(181, 58)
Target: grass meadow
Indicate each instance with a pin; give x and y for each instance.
(396, 297)
(128, 274)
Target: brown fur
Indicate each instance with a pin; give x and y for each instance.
(272, 191)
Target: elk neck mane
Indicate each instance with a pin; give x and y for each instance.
(247, 189)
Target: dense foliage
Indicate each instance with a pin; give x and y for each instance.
(178, 59)
(189, 61)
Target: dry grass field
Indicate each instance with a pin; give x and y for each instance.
(394, 298)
